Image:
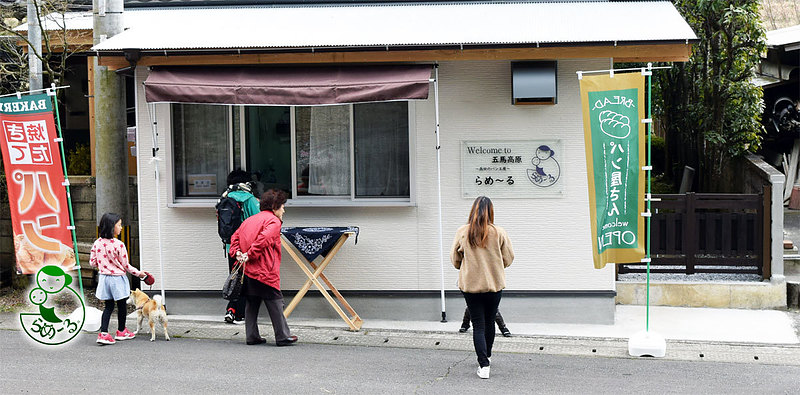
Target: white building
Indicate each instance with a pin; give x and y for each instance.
(374, 165)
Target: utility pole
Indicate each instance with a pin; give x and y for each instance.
(34, 47)
(111, 158)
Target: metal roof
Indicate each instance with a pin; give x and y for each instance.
(786, 36)
(385, 25)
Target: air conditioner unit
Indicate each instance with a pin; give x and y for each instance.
(533, 82)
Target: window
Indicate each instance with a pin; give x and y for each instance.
(381, 149)
(200, 149)
(317, 154)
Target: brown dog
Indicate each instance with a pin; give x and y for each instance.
(153, 309)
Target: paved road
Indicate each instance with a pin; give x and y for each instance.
(186, 365)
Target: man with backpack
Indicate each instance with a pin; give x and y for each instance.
(236, 204)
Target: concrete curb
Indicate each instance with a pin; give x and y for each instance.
(677, 350)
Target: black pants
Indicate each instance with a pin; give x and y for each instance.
(275, 309)
(122, 313)
(482, 309)
(237, 305)
(501, 324)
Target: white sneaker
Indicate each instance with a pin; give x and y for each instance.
(484, 372)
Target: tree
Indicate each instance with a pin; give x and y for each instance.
(708, 107)
(56, 48)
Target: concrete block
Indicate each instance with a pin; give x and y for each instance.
(793, 294)
(83, 193)
(759, 296)
(6, 228)
(7, 245)
(718, 295)
(83, 211)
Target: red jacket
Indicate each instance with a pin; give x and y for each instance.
(260, 237)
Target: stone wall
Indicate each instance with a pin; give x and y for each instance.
(83, 193)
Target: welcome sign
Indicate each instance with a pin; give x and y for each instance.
(613, 109)
(35, 182)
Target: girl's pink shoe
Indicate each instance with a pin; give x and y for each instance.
(105, 338)
(124, 335)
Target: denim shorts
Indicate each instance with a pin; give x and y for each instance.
(112, 287)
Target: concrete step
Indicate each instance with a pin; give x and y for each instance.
(793, 291)
(730, 295)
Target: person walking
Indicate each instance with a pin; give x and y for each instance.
(239, 205)
(110, 257)
(481, 251)
(501, 323)
(257, 243)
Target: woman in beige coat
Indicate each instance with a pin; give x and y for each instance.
(481, 251)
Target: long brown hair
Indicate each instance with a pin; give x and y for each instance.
(480, 217)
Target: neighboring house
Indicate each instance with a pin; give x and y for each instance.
(778, 74)
(351, 135)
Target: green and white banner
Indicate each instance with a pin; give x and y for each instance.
(613, 109)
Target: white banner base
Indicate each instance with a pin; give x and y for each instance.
(647, 344)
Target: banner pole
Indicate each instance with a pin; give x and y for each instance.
(649, 191)
(52, 92)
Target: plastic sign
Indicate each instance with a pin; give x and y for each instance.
(512, 169)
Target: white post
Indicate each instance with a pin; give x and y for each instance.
(439, 182)
(154, 160)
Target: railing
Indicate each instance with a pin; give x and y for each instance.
(706, 233)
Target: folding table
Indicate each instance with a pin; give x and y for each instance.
(304, 245)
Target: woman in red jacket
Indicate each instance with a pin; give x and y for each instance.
(258, 243)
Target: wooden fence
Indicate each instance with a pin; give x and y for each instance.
(707, 233)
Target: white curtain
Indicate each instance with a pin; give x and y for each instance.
(329, 151)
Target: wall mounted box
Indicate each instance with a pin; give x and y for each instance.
(533, 82)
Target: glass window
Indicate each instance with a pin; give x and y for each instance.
(200, 149)
(269, 148)
(381, 149)
(323, 150)
(341, 151)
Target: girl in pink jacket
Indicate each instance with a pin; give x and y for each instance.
(110, 257)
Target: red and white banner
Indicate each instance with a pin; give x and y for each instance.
(35, 182)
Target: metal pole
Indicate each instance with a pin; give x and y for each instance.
(649, 195)
(439, 182)
(34, 47)
(154, 160)
(52, 93)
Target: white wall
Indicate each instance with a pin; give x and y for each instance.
(398, 247)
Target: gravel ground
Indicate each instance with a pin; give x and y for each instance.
(697, 277)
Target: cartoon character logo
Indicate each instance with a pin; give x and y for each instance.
(546, 170)
(46, 326)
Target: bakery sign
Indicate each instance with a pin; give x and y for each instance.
(35, 180)
(512, 169)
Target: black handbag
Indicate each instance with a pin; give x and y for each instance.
(232, 289)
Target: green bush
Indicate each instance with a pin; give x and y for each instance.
(79, 160)
(658, 149)
(661, 185)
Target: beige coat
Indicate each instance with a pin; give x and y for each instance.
(481, 269)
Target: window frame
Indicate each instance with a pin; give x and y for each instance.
(296, 201)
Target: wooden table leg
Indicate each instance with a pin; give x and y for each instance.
(353, 322)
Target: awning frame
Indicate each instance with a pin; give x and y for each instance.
(290, 86)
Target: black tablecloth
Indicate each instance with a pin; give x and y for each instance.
(315, 241)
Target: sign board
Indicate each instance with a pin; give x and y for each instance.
(613, 109)
(512, 169)
(35, 180)
(202, 184)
